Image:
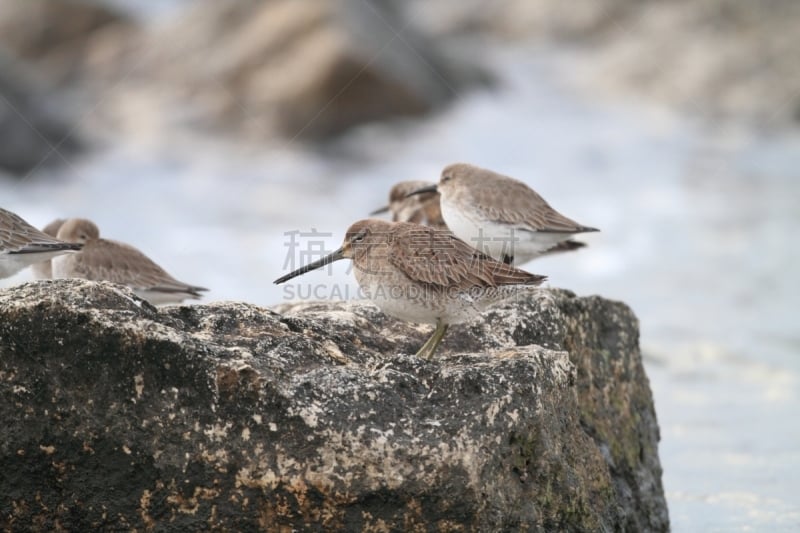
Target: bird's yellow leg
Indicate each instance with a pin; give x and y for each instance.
(429, 348)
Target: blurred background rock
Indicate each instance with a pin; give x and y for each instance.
(32, 119)
(245, 67)
(265, 68)
(724, 59)
(226, 138)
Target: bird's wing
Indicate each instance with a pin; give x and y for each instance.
(436, 257)
(526, 210)
(17, 236)
(121, 263)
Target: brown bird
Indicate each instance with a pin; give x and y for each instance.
(107, 260)
(421, 208)
(422, 274)
(22, 245)
(501, 216)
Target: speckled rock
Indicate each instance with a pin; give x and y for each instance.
(228, 416)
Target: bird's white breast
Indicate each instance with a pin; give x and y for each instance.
(397, 296)
(63, 266)
(496, 239)
(10, 264)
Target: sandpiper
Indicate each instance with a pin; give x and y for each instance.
(420, 208)
(22, 245)
(103, 259)
(501, 216)
(44, 269)
(423, 274)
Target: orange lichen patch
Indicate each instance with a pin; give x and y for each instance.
(191, 505)
(237, 378)
(144, 508)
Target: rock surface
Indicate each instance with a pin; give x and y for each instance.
(229, 416)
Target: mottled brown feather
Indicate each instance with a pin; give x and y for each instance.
(436, 257)
(107, 260)
(420, 209)
(519, 205)
(103, 259)
(18, 237)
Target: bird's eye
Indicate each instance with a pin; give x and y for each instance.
(446, 178)
(359, 237)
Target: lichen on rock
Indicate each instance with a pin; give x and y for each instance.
(230, 416)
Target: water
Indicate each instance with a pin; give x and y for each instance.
(698, 236)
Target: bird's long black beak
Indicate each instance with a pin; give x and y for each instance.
(382, 210)
(423, 190)
(328, 259)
